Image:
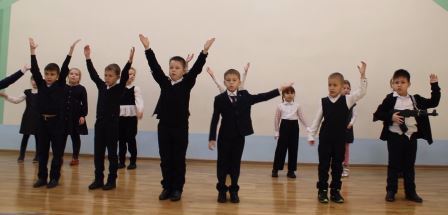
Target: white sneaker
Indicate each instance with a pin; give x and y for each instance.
(345, 172)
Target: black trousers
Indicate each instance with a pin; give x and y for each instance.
(331, 154)
(51, 134)
(402, 153)
(230, 151)
(76, 143)
(24, 144)
(173, 143)
(126, 139)
(288, 141)
(106, 137)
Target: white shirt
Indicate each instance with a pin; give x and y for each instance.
(351, 100)
(403, 103)
(132, 110)
(288, 111)
(175, 82)
(230, 94)
(20, 98)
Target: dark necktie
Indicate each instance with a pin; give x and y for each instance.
(233, 98)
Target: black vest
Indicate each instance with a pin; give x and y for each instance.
(128, 97)
(335, 117)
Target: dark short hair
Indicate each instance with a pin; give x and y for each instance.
(401, 73)
(232, 72)
(114, 68)
(347, 82)
(180, 60)
(337, 75)
(289, 89)
(52, 67)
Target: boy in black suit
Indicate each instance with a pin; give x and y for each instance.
(50, 105)
(402, 133)
(234, 106)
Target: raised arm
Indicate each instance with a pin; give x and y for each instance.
(92, 71)
(64, 68)
(13, 78)
(35, 71)
(432, 102)
(212, 75)
(243, 80)
(268, 95)
(156, 70)
(125, 72)
(362, 90)
(196, 69)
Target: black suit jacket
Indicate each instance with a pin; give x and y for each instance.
(386, 110)
(10, 79)
(236, 119)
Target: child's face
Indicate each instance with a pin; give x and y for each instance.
(131, 76)
(51, 76)
(289, 96)
(33, 84)
(401, 85)
(232, 82)
(110, 77)
(334, 87)
(74, 76)
(177, 70)
(346, 90)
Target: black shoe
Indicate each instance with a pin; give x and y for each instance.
(291, 174)
(234, 198)
(274, 173)
(390, 196)
(414, 197)
(96, 184)
(322, 195)
(165, 194)
(40, 183)
(53, 183)
(132, 166)
(121, 165)
(176, 195)
(35, 160)
(110, 185)
(20, 159)
(222, 197)
(335, 196)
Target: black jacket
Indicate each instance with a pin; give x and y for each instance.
(386, 110)
(236, 117)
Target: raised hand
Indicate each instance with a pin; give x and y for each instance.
(4, 95)
(210, 72)
(87, 51)
(362, 69)
(189, 58)
(433, 78)
(246, 68)
(284, 86)
(144, 40)
(72, 47)
(33, 45)
(131, 54)
(208, 44)
(211, 144)
(25, 68)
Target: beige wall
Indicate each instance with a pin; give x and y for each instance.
(286, 40)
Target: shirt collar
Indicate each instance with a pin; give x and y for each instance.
(288, 103)
(395, 94)
(175, 82)
(334, 98)
(232, 93)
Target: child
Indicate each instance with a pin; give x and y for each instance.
(333, 114)
(172, 112)
(286, 124)
(13, 78)
(401, 134)
(221, 88)
(131, 110)
(30, 118)
(50, 101)
(76, 108)
(234, 107)
(107, 118)
(350, 136)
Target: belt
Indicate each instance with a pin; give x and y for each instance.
(47, 117)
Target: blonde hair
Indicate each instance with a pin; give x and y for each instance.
(79, 71)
